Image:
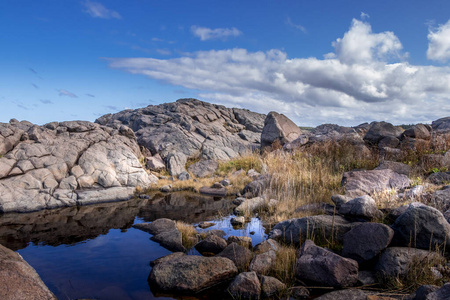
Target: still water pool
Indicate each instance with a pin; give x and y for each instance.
(93, 252)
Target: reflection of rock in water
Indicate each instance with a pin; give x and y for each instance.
(66, 225)
(187, 207)
(76, 224)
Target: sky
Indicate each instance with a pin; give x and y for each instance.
(316, 61)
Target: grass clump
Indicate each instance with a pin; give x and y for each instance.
(297, 179)
(284, 267)
(244, 162)
(188, 234)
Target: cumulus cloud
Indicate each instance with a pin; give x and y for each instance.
(66, 93)
(98, 10)
(439, 43)
(361, 45)
(205, 33)
(365, 79)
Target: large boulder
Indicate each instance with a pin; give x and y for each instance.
(366, 241)
(382, 130)
(18, 279)
(396, 261)
(195, 128)
(418, 131)
(442, 124)
(278, 127)
(191, 273)
(363, 207)
(64, 164)
(357, 183)
(322, 227)
(323, 267)
(421, 227)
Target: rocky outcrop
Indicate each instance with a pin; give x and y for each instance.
(66, 164)
(383, 134)
(191, 273)
(193, 128)
(442, 125)
(357, 183)
(278, 127)
(18, 279)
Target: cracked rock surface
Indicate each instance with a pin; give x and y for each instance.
(65, 164)
(191, 128)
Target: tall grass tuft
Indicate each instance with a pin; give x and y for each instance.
(284, 267)
(188, 234)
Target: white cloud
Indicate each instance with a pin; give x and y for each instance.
(360, 45)
(439, 43)
(66, 93)
(98, 10)
(296, 26)
(205, 33)
(364, 16)
(354, 85)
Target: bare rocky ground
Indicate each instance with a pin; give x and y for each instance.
(77, 163)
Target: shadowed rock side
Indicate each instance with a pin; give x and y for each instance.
(66, 164)
(75, 224)
(189, 128)
(19, 280)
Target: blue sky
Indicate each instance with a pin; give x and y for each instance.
(343, 62)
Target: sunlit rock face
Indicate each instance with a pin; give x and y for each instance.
(191, 128)
(66, 164)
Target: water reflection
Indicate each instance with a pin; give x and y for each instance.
(76, 224)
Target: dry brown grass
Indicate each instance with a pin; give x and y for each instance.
(297, 179)
(245, 162)
(188, 234)
(284, 267)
